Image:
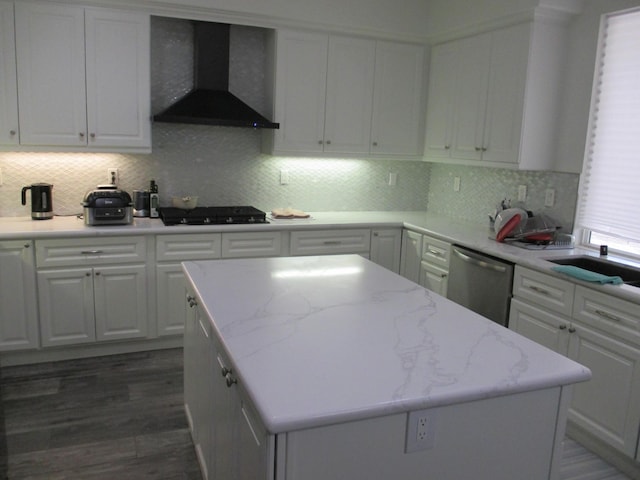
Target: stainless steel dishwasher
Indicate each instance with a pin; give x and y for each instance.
(481, 283)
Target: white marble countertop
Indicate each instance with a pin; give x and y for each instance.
(328, 339)
(463, 233)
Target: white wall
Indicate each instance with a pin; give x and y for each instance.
(401, 19)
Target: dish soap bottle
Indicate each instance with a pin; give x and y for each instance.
(153, 200)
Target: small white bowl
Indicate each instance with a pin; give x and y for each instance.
(186, 203)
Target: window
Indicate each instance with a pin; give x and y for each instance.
(609, 203)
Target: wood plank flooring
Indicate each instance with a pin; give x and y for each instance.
(122, 417)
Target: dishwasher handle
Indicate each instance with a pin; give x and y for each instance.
(478, 261)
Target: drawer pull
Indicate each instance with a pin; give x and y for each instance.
(608, 316)
(91, 252)
(562, 327)
(191, 301)
(572, 330)
(230, 380)
(437, 253)
(332, 242)
(540, 290)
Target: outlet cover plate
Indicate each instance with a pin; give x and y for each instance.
(421, 430)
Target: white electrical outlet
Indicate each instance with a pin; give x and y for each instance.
(522, 193)
(420, 430)
(1, 180)
(112, 176)
(549, 197)
(456, 184)
(284, 177)
(393, 179)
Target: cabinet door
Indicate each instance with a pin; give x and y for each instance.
(301, 75)
(470, 100)
(18, 302)
(51, 68)
(434, 278)
(171, 284)
(442, 82)
(243, 245)
(118, 84)
(411, 255)
(398, 105)
(505, 96)
(539, 325)
(331, 242)
(347, 126)
(65, 298)
(120, 302)
(608, 406)
(386, 245)
(8, 82)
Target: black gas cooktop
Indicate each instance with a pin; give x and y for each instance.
(212, 216)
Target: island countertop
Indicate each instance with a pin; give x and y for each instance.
(329, 339)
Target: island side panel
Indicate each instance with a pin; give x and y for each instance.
(494, 439)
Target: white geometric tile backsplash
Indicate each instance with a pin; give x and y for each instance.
(225, 166)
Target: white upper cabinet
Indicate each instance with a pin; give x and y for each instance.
(348, 106)
(301, 80)
(83, 77)
(339, 95)
(398, 107)
(492, 97)
(8, 83)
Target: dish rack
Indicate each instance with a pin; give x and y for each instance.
(561, 241)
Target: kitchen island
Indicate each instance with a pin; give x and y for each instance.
(334, 367)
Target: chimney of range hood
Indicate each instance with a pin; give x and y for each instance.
(210, 102)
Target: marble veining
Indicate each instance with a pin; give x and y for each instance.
(317, 340)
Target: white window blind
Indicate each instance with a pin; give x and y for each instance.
(610, 185)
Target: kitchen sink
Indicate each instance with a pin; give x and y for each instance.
(629, 275)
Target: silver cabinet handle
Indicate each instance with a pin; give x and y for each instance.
(81, 134)
(92, 135)
(332, 242)
(91, 252)
(608, 316)
(230, 380)
(191, 301)
(328, 142)
(540, 290)
(375, 144)
(320, 142)
(562, 327)
(26, 245)
(437, 253)
(97, 273)
(447, 147)
(478, 262)
(12, 132)
(572, 330)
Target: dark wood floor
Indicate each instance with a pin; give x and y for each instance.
(122, 417)
(117, 417)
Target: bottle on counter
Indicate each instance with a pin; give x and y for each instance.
(153, 200)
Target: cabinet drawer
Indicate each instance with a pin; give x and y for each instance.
(90, 251)
(330, 242)
(610, 314)
(435, 252)
(549, 292)
(251, 244)
(180, 247)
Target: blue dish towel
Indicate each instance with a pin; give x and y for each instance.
(587, 275)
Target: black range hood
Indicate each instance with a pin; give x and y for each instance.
(210, 102)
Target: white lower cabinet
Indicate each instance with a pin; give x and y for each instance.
(18, 300)
(386, 245)
(230, 441)
(331, 242)
(434, 267)
(97, 290)
(425, 260)
(411, 255)
(175, 248)
(598, 331)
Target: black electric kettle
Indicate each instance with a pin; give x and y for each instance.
(41, 200)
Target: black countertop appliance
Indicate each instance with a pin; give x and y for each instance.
(107, 206)
(41, 200)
